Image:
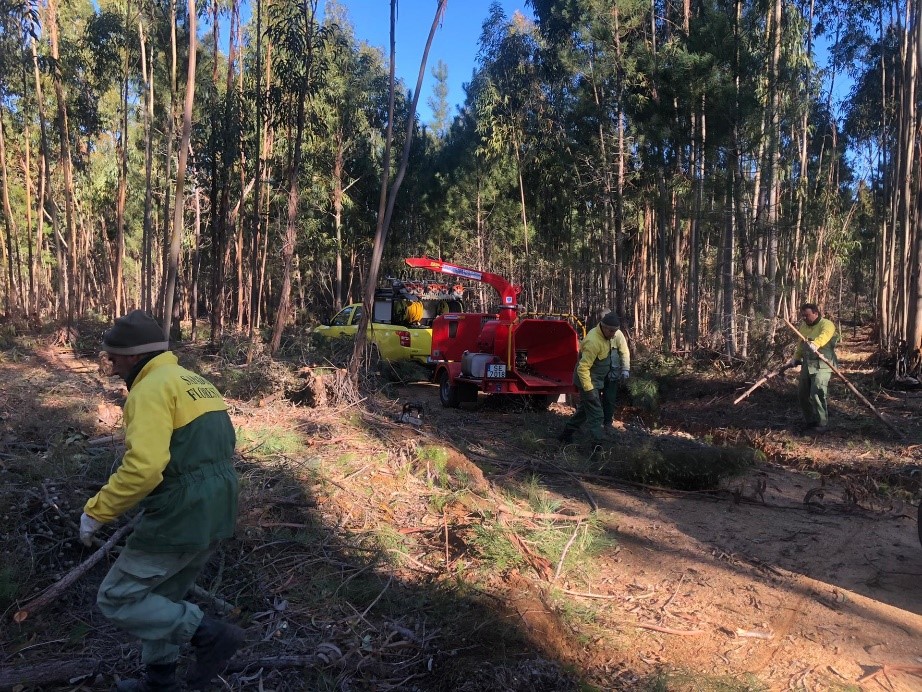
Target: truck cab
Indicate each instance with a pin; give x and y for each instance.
(401, 325)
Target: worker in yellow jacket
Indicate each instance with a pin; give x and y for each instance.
(813, 384)
(178, 468)
(593, 375)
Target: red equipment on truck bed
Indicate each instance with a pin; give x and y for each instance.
(501, 353)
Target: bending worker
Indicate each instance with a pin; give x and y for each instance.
(813, 384)
(604, 361)
(178, 467)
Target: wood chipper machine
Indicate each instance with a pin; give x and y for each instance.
(501, 353)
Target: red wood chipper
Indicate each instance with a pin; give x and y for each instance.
(499, 353)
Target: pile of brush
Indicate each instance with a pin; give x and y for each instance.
(671, 459)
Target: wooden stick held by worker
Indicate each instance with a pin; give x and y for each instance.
(762, 381)
(54, 591)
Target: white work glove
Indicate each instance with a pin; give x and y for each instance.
(625, 374)
(812, 346)
(88, 527)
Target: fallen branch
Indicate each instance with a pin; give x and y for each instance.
(219, 604)
(59, 587)
(47, 673)
(538, 562)
(585, 594)
(108, 439)
(667, 630)
(237, 665)
(566, 549)
(912, 670)
(760, 382)
(541, 516)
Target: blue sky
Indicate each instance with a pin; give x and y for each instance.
(455, 41)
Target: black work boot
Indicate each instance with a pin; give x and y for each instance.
(158, 677)
(215, 642)
(566, 437)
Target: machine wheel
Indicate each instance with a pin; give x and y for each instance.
(448, 393)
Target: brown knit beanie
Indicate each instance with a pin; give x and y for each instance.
(134, 334)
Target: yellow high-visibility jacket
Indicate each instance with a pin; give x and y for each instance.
(178, 462)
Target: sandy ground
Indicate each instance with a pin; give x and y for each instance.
(785, 587)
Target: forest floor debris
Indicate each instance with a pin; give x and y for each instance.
(474, 553)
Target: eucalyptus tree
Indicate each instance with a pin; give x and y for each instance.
(510, 101)
(172, 268)
(344, 109)
(389, 189)
(297, 35)
(882, 121)
(17, 21)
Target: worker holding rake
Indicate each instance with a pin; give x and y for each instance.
(819, 336)
(178, 467)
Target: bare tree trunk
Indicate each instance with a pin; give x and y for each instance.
(122, 183)
(337, 220)
(163, 306)
(914, 269)
(178, 204)
(196, 264)
(385, 211)
(45, 182)
(12, 301)
(294, 171)
(70, 296)
(261, 137)
(147, 76)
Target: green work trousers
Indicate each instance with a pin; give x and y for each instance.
(812, 390)
(609, 399)
(589, 411)
(143, 594)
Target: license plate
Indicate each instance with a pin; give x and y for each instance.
(496, 371)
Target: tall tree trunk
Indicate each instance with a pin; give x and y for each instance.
(914, 248)
(338, 219)
(12, 302)
(255, 284)
(385, 209)
(163, 306)
(147, 76)
(294, 172)
(178, 204)
(122, 182)
(45, 186)
(71, 280)
(30, 303)
(196, 265)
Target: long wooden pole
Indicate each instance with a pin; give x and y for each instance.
(59, 587)
(760, 382)
(861, 396)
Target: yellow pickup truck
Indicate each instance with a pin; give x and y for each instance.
(401, 326)
(394, 341)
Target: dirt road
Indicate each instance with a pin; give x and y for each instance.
(824, 594)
